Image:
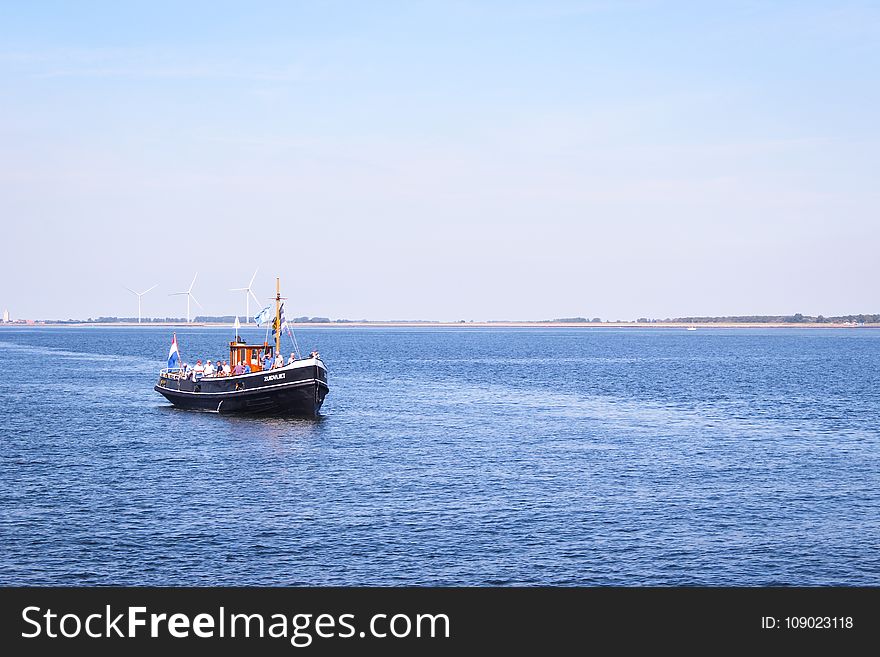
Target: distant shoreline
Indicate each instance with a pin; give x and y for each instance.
(420, 324)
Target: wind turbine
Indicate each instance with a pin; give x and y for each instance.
(248, 293)
(139, 295)
(189, 295)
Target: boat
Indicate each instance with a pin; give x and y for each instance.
(295, 389)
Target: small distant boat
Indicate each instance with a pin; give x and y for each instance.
(296, 389)
(691, 327)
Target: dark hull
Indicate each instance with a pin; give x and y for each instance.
(294, 391)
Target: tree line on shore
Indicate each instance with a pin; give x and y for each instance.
(797, 318)
(200, 319)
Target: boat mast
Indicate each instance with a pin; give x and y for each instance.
(277, 316)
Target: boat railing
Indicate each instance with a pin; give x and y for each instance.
(180, 373)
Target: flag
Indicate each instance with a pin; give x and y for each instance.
(266, 315)
(283, 321)
(173, 354)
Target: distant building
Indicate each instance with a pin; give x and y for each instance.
(6, 316)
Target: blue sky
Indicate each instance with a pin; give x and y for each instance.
(441, 160)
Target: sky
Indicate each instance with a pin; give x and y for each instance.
(441, 160)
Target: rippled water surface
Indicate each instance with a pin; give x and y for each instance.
(450, 456)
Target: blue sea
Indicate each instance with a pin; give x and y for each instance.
(450, 456)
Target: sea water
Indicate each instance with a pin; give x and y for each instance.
(450, 456)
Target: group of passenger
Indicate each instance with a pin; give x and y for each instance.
(209, 368)
(222, 368)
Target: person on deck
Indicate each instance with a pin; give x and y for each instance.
(239, 368)
(279, 361)
(198, 371)
(226, 369)
(247, 367)
(267, 362)
(209, 369)
(292, 358)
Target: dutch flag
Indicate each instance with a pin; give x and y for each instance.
(173, 354)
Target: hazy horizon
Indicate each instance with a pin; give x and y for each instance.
(228, 318)
(440, 160)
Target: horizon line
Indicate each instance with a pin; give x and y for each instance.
(221, 320)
